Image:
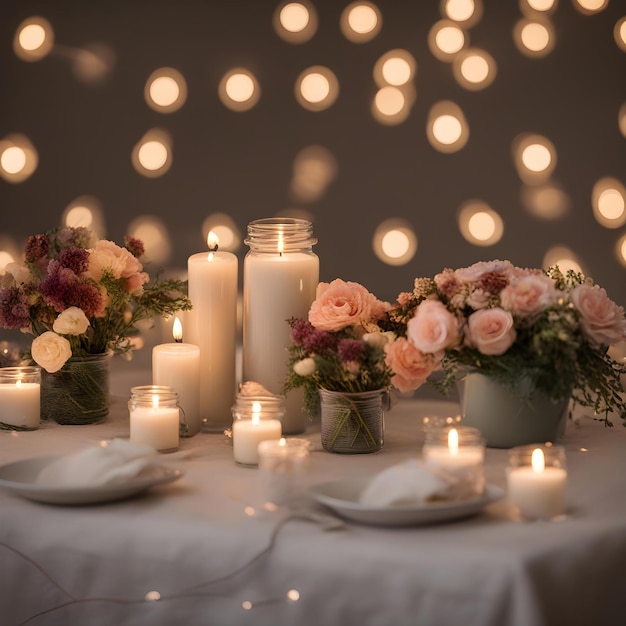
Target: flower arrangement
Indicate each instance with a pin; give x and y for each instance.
(81, 297)
(503, 321)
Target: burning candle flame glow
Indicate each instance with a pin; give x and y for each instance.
(155, 401)
(256, 412)
(212, 241)
(538, 461)
(177, 331)
(453, 441)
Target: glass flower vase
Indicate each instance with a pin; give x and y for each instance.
(78, 393)
(352, 423)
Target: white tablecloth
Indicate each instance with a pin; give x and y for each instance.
(98, 562)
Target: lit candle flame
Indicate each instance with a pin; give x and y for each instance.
(453, 441)
(282, 441)
(177, 331)
(256, 412)
(281, 243)
(155, 401)
(18, 383)
(538, 461)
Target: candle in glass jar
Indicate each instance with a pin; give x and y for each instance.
(20, 394)
(213, 284)
(248, 433)
(537, 489)
(154, 422)
(177, 365)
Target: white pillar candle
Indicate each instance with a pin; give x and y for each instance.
(20, 403)
(156, 426)
(537, 490)
(177, 365)
(248, 433)
(279, 283)
(213, 283)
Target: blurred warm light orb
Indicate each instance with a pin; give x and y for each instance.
(360, 22)
(239, 90)
(295, 22)
(395, 242)
(479, 223)
(534, 37)
(535, 158)
(317, 88)
(608, 199)
(395, 68)
(392, 105)
(18, 158)
(314, 169)
(447, 129)
(34, 39)
(85, 211)
(465, 12)
(224, 227)
(589, 7)
(445, 40)
(541, 6)
(5, 258)
(564, 257)
(619, 33)
(620, 250)
(166, 90)
(152, 154)
(154, 234)
(474, 69)
(547, 202)
(621, 119)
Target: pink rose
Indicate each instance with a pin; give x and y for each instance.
(600, 318)
(340, 304)
(491, 331)
(529, 295)
(433, 328)
(475, 272)
(410, 366)
(108, 256)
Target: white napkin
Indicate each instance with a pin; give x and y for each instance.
(114, 463)
(407, 483)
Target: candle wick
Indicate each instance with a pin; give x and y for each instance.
(178, 340)
(213, 248)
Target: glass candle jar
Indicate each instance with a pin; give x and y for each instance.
(280, 278)
(536, 477)
(457, 452)
(20, 398)
(255, 419)
(156, 418)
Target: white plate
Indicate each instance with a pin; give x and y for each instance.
(342, 496)
(20, 478)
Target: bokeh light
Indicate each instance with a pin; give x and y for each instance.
(18, 158)
(392, 105)
(589, 7)
(317, 88)
(620, 250)
(395, 68)
(152, 154)
(34, 39)
(153, 231)
(360, 22)
(466, 12)
(166, 90)
(608, 199)
(239, 90)
(445, 40)
(314, 169)
(479, 223)
(395, 242)
(534, 38)
(619, 33)
(547, 202)
(295, 22)
(564, 257)
(621, 119)
(92, 64)
(528, 7)
(474, 69)
(535, 158)
(85, 211)
(447, 129)
(225, 229)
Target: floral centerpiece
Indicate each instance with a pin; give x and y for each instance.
(82, 298)
(507, 322)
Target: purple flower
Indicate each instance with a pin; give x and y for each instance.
(350, 350)
(134, 246)
(37, 248)
(75, 259)
(319, 341)
(14, 310)
(300, 331)
(76, 237)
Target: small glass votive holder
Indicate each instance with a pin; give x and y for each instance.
(458, 454)
(255, 419)
(155, 417)
(536, 478)
(20, 397)
(282, 464)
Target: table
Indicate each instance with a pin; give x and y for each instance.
(482, 571)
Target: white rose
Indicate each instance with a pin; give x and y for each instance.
(51, 351)
(72, 321)
(305, 367)
(379, 340)
(20, 273)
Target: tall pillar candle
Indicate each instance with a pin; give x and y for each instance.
(212, 323)
(177, 365)
(281, 273)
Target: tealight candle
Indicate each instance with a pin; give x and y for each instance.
(20, 394)
(155, 417)
(250, 427)
(460, 453)
(177, 365)
(536, 479)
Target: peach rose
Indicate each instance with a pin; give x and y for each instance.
(528, 295)
(474, 272)
(433, 328)
(340, 304)
(491, 331)
(50, 351)
(410, 366)
(600, 318)
(72, 321)
(108, 256)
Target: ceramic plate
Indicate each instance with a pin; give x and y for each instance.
(20, 478)
(342, 497)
